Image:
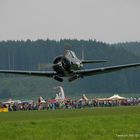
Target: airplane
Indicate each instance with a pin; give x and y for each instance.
(68, 65)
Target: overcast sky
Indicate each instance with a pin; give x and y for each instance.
(105, 20)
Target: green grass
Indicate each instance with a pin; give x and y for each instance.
(116, 123)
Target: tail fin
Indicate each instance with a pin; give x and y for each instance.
(83, 53)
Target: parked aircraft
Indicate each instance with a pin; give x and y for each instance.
(68, 65)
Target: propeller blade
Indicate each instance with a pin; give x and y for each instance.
(45, 65)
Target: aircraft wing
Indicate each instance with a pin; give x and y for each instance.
(89, 72)
(33, 73)
(93, 61)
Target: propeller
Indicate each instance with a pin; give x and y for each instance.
(45, 65)
(58, 61)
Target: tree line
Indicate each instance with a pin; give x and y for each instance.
(26, 55)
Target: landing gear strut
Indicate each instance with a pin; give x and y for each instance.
(75, 77)
(58, 78)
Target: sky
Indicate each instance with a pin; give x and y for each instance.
(110, 21)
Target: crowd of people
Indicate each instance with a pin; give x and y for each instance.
(67, 103)
(61, 102)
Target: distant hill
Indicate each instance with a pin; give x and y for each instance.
(26, 55)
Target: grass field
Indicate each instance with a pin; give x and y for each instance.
(117, 123)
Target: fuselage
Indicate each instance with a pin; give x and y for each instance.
(75, 63)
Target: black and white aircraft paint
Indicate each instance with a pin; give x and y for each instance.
(68, 65)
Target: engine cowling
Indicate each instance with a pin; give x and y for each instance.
(66, 64)
(61, 65)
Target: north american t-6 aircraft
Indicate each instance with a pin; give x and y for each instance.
(68, 65)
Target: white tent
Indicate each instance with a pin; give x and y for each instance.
(117, 97)
(10, 101)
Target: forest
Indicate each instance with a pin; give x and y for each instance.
(27, 55)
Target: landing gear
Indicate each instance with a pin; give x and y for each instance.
(75, 77)
(58, 78)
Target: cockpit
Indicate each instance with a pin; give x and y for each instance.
(70, 54)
